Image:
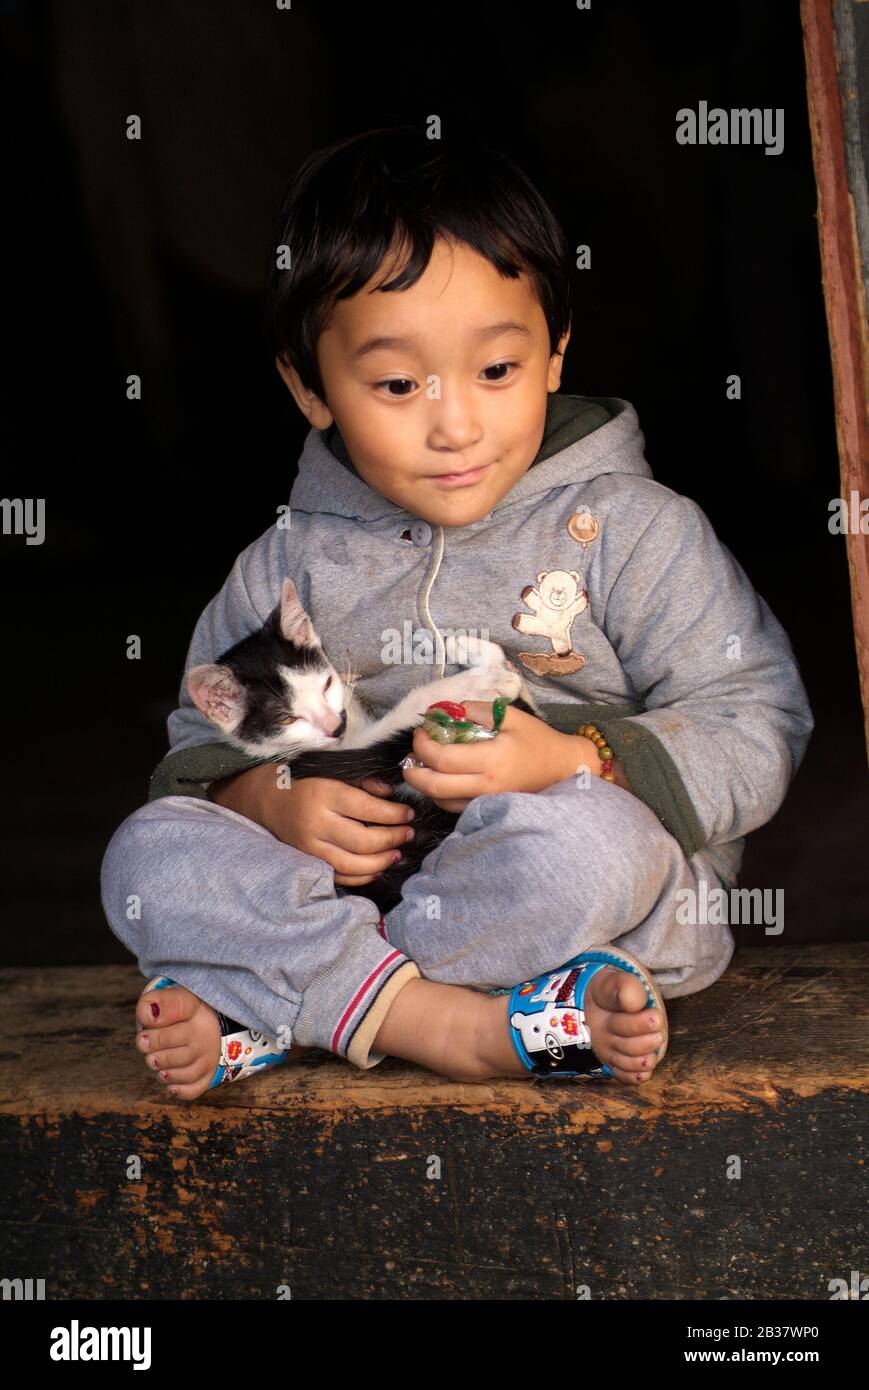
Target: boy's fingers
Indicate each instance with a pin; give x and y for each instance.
(377, 786)
(447, 786)
(354, 880)
(347, 834)
(355, 865)
(361, 805)
(446, 757)
(480, 711)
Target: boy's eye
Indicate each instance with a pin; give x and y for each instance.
(500, 366)
(396, 381)
(385, 386)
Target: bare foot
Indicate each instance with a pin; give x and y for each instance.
(181, 1042)
(624, 1034)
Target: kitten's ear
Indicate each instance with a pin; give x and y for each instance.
(296, 626)
(215, 691)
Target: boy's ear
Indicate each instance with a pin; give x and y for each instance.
(315, 411)
(556, 363)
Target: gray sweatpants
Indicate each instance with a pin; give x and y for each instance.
(525, 881)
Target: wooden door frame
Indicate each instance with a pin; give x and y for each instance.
(832, 81)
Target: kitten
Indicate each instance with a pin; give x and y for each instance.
(276, 696)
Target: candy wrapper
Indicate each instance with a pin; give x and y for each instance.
(447, 722)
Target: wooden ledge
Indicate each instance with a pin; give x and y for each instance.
(781, 1021)
(737, 1172)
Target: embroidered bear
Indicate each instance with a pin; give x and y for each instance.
(555, 600)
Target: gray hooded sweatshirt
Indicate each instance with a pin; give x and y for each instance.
(609, 590)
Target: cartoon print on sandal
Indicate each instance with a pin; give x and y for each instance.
(555, 600)
(547, 1017)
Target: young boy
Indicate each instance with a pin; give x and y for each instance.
(419, 317)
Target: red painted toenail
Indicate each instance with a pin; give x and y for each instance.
(165, 1075)
(155, 1010)
(173, 1090)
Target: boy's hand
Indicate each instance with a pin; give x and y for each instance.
(526, 756)
(323, 817)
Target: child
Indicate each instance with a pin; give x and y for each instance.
(445, 487)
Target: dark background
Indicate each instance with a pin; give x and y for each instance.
(149, 257)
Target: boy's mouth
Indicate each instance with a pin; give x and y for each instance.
(464, 479)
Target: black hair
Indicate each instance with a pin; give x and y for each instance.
(351, 204)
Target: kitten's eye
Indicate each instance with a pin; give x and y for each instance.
(284, 722)
(328, 683)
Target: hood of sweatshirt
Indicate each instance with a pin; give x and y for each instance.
(584, 436)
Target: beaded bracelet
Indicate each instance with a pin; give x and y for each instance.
(605, 753)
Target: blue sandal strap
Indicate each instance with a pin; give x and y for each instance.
(547, 1016)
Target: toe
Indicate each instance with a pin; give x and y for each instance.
(194, 1071)
(618, 991)
(631, 993)
(164, 1006)
(634, 1024)
(644, 1061)
(636, 1046)
(167, 1058)
(191, 1090)
(157, 1039)
(630, 1078)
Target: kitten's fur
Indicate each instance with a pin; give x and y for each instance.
(276, 696)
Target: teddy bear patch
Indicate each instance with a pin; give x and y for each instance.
(555, 600)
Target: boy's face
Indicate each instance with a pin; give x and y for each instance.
(454, 406)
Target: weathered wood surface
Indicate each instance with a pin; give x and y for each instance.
(317, 1175)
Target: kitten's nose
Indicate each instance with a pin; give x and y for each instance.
(333, 726)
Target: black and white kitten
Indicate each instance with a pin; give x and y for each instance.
(276, 696)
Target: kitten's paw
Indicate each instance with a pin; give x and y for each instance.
(488, 685)
(481, 654)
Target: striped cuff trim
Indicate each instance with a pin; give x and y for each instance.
(372, 1010)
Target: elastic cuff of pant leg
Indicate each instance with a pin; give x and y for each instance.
(391, 931)
(358, 1052)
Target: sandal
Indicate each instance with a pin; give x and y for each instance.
(243, 1051)
(547, 1019)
